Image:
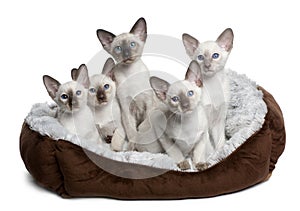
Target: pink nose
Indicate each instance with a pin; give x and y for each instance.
(207, 65)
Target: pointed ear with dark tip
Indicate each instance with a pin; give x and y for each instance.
(225, 40)
(51, 85)
(193, 74)
(74, 74)
(190, 43)
(83, 76)
(160, 87)
(105, 37)
(108, 68)
(140, 29)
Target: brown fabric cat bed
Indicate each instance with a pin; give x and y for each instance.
(66, 169)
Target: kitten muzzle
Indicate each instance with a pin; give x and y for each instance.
(129, 60)
(186, 108)
(73, 105)
(101, 96)
(208, 73)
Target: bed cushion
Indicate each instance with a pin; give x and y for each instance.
(68, 170)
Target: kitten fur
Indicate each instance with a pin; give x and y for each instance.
(130, 73)
(212, 57)
(104, 105)
(186, 132)
(73, 112)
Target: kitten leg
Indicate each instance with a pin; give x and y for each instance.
(174, 152)
(148, 132)
(218, 134)
(118, 140)
(202, 151)
(129, 124)
(217, 130)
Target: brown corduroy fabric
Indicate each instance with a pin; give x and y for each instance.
(67, 170)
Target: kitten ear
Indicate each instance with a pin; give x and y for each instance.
(160, 87)
(108, 68)
(140, 29)
(105, 37)
(225, 40)
(190, 43)
(74, 74)
(193, 74)
(51, 85)
(82, 76)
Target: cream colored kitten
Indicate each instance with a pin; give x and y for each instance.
(212, 57)
(103, 103)
(131, 74)
(73, 112)
(186, 132)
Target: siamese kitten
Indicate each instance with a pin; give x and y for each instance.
(103, 103)
(73, 112)
(212, 57)
(130, 73)
(186, 133)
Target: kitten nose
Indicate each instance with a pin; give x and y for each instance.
(100, 95)
(207, 65)
(185, 105)
(126, 53)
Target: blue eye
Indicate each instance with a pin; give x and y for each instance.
(118, 49)
(64, 96)
(215, 56)
(92, 90)
(175, 99)
(190, 93)
(200, 57)
(78, 92)
(106, 86)
(132, 44)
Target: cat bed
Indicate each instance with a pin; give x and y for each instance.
(61, 162)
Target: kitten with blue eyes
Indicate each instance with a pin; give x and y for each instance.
(103, 103)
(186, 134)
(73, 112)
(212, 57)
(130, 73)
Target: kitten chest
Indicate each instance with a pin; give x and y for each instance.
(132, 79)
(186, 131)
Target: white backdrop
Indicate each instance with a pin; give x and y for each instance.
(40, 38)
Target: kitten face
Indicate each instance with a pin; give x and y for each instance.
(211, 55)
(70, 97)
(101, 87)
(102, 90)
(127, 47)
(181, 96)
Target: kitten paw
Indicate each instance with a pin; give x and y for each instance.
(201, 166)
(184, 165)
(108, 139)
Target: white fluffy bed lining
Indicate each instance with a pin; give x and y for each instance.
(245, 116)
